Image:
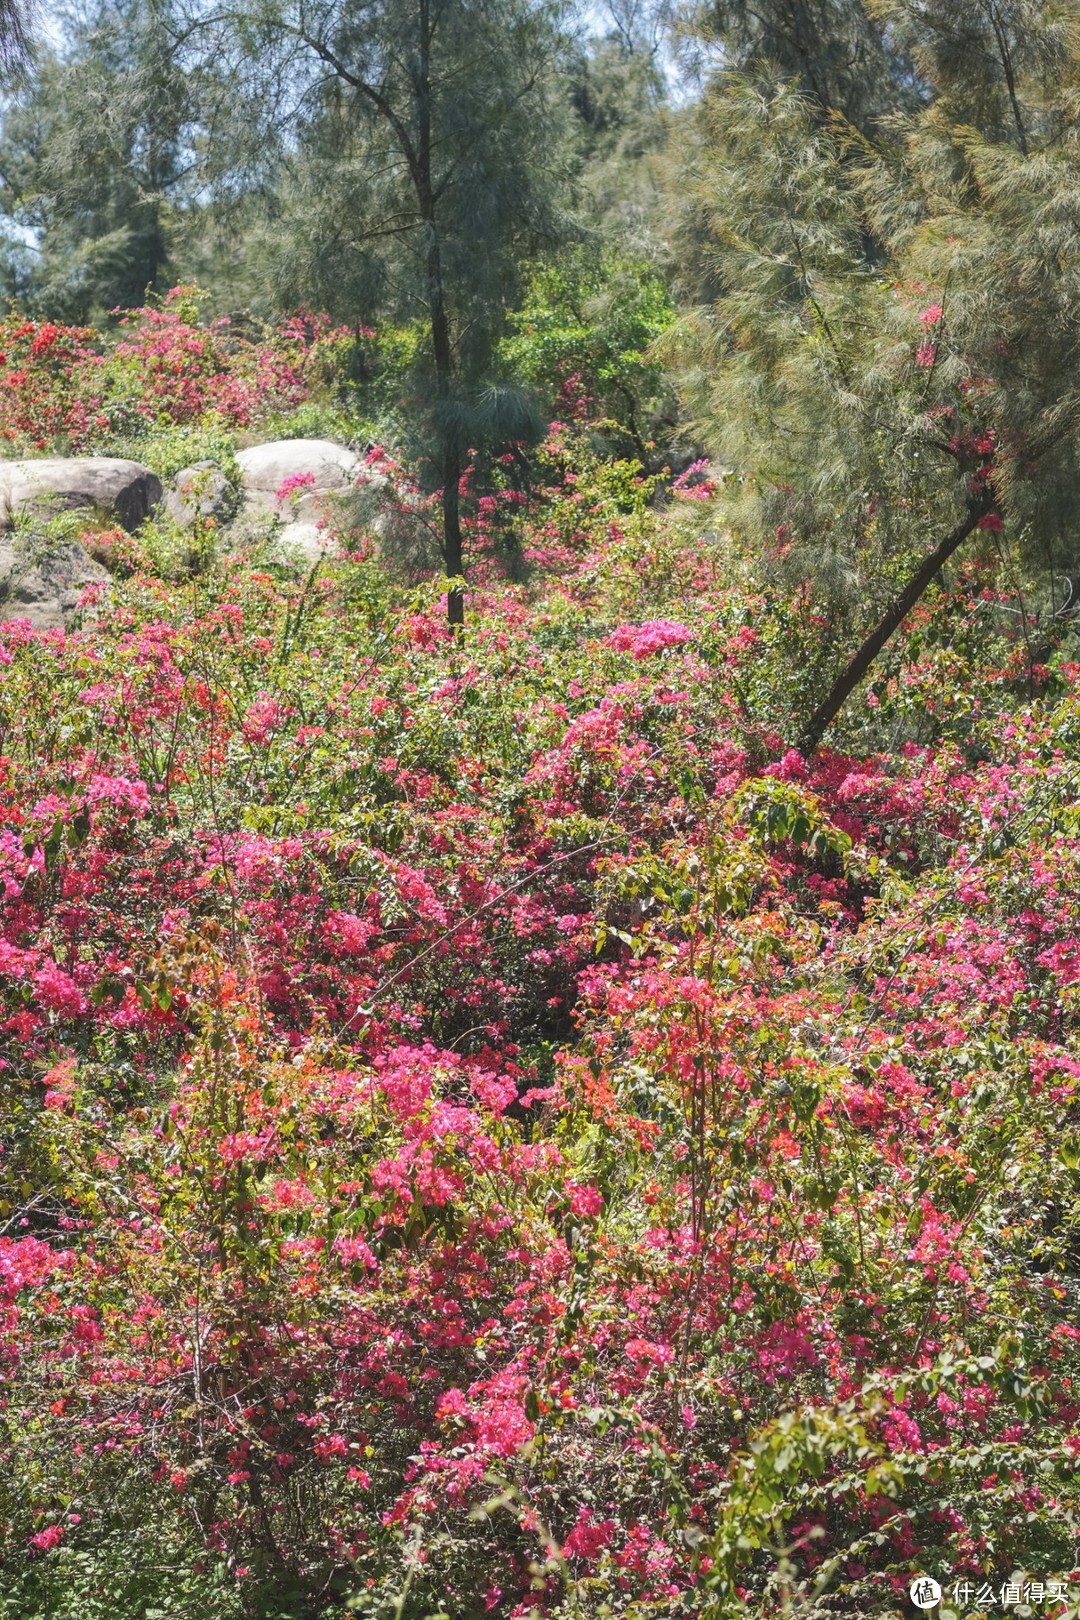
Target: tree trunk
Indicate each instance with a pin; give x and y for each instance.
(842, 688)
(452, 544)
(453, 548)
(441, 346)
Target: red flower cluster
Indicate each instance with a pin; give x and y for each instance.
(63, 388)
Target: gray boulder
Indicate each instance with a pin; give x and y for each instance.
(42, 580)
(307, 539)
(124, 490)
(264, 468)
(199, 491)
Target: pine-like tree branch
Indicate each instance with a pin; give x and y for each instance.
(826, 712)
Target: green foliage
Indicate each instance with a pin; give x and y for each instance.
(167, 447)
(780, 812)
(584, 336)
(618, 94)
(94, 161)
(142, 1566)
(814, 1460)
(846, 57)
(16, 21)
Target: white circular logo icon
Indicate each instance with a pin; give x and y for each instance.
(924, 1592)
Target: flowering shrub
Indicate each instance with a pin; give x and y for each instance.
(63, 388)
(642, 640)
(490, 1130)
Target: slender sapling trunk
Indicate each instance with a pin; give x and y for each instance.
(826, 712)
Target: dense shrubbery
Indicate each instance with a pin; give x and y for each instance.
(489, 1130)
(573, 1113)
(63, 388)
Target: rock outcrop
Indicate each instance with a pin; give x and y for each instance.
(329, 468)
(306, 538)
(116, 489)
(199, 491)
(42, 580)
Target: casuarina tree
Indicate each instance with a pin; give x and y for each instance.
(94, 158)
(436, 127)
(890, 366)
(16, 17)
